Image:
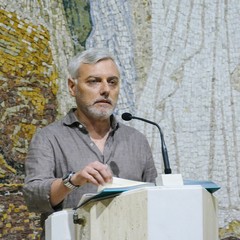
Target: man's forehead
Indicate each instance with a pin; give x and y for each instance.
(102, 66)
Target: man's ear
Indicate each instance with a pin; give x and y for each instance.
(72, 86)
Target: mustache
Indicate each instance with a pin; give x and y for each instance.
(103, 100)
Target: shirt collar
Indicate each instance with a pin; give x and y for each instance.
(71, 120)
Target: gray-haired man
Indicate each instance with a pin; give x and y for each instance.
(71, 157)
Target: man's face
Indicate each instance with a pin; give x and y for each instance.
(97, 89)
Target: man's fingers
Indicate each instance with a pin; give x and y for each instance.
(101, 173)
(97, 176)
(108, 174)
(96, 173)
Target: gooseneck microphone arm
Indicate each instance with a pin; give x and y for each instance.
(167, 169)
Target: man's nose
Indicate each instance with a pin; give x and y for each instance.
(105, 89)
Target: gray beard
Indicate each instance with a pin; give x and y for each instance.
(100, 114)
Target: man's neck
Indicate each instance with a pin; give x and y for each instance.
(97, 128)
(98, 131)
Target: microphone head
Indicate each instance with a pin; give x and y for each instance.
(127, 116)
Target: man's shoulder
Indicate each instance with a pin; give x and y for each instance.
(54, 127)
(59, 125)
(129, 130)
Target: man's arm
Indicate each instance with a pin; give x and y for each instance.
(95, 173)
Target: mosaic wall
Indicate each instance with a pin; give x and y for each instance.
(180, 67)
(28, 100)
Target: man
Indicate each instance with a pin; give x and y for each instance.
(75, 155)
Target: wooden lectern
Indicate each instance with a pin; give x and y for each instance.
(149, 213)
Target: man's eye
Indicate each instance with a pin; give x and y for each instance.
(92, 81)
(113, 82)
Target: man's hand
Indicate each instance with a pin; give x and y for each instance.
(96, 173)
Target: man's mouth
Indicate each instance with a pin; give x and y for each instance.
(104, 101)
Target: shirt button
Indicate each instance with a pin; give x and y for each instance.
(91, 144)
(80, 126)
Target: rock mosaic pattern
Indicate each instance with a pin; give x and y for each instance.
(28, 91)
(27, 86)
(78, 17)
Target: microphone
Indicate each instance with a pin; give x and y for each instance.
(167, 170)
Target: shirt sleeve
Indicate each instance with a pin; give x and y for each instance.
(39, 170)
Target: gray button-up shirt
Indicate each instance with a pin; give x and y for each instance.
(66, 146)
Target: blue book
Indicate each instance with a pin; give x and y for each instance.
(118, 186)
(208, 185)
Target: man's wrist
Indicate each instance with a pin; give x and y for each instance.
(67, 181)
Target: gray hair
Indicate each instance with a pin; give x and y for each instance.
(89, 56)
